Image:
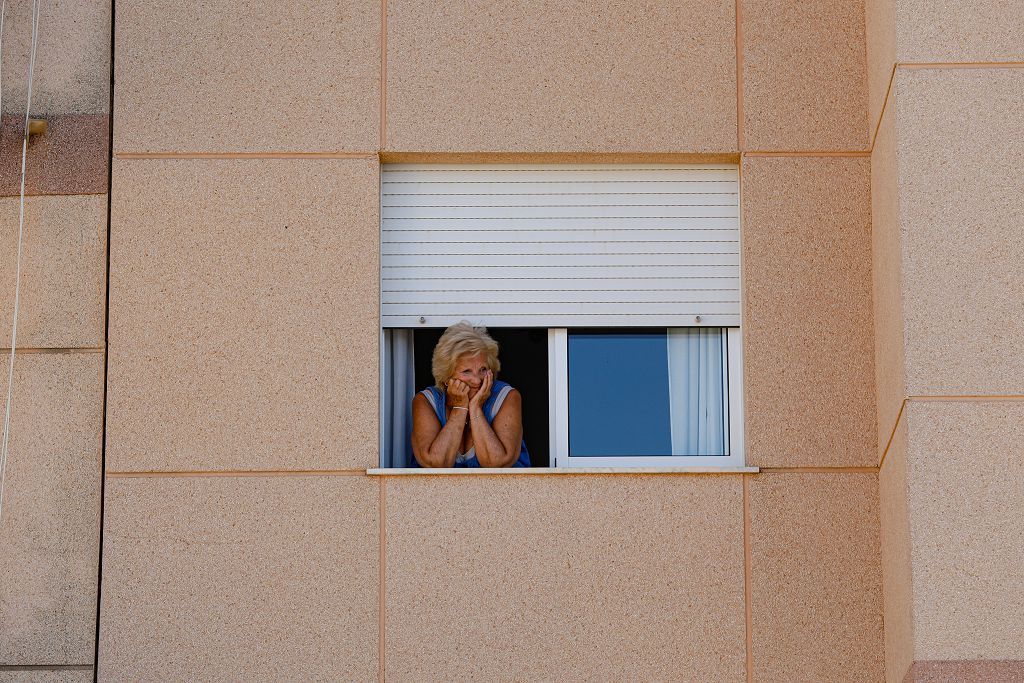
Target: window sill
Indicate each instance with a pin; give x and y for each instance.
(477, 471)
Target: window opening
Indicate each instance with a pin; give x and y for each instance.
(628, 273)
(523, 353)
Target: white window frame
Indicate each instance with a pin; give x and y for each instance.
(558, 413)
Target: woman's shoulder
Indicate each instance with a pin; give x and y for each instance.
(431, 395)
(500, 394)
(503, 389)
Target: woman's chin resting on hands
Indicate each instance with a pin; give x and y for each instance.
(468, 418)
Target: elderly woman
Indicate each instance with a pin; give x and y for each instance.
(468, 419)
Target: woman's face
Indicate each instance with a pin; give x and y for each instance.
(471, 370)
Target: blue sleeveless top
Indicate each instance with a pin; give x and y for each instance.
(500, 390)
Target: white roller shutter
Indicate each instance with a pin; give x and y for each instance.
(560, 246)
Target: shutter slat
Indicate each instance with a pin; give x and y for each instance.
(584, 236)
(472, 309)
(580, 260)
(574, 296)
(442, 213)
(571, 272)
(562, 223)
(399, 289)
(608, 200)
(468, 174)
(400, 250)
(560, 246)
(391, 188)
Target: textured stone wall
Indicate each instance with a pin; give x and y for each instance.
(50, 529)
(243, 538)
(946, 97)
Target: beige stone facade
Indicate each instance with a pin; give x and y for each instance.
(197, 380)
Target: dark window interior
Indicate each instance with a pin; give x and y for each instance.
(523, 353)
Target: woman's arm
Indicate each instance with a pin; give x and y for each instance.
(431, 445)
(498, 445)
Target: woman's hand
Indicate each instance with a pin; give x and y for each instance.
(482, 394)
(458, 391)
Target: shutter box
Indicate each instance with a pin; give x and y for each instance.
(592, 245)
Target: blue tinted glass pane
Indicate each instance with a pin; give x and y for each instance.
(619, 394)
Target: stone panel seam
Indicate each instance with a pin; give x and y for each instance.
(809, 153)
(740, 141)
(51, 193)
(55, 349)
(748, 618)
(881, 112)
(239, 473)
(383, 74)
(468, 157)
(102, 464)
(382, 515)
(892, 434)
(246, 155)
(823, 470)
(498, 157)
(45, 667)
(961, 65)
(968, 397)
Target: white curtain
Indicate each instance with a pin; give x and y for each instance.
(698, 385)
(396, 396)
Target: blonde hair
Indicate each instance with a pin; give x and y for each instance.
(462, 339)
